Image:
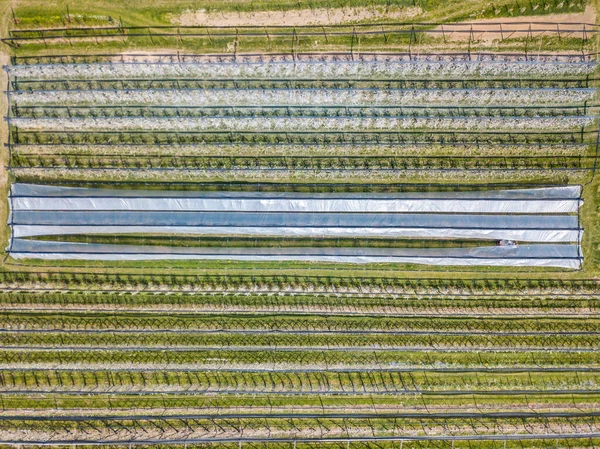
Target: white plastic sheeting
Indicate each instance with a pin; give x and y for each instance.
(524, 201)
(536, 193)
(542, 255)
(545, 215)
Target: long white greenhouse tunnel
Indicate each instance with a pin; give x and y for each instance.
(511, 227)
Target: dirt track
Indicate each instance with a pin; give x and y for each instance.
(488, 30)
(321, 16)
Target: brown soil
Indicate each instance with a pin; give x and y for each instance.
(299, 17)
(488, 30)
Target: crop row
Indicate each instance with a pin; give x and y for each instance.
(541, 305)
(226, 402)
(372, 381)
(272, 58)
(300, 283)
(20, 137)
(300, 358)
(307, 97)
(28, 85)
(461, 67)
(555, 163)
(178, 340)
(472, 442)
(16, 320)
(294, 150)
(291, 124)
(300, 111)
(323, 187)
(291, 425)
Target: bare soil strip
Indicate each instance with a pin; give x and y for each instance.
(319, 16)
(575, 25)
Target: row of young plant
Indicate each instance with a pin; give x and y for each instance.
(19, 85)
(20, 321)
(139, 111)
(327, 284)
(319, 163)
(300, 358)
(178, 57)
(119, 403)
(308, 97)
(305, 124)
(448, 137)
(562, 441)
(239, 340)
(313, 425)
(156, 381)
(317, 187)
(287, 66)
(160, 300)
(309, 150)
(38, 175)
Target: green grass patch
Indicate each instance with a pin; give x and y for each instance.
(225, 241)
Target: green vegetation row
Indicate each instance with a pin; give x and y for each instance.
(316, 187)
(124, 401)
(178, 340)
(277, 270)
(20, 85)
(562, 441)
(389, 382)
(522, 303)
(306, 358)
(292, 425)
(473, 285)
(96, 320)
(262, 242)
(279, 137)
(300, 111)
(304, 163)
(311, 150)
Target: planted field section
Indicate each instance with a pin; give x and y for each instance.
(544, 220)
(167, 367)
(332, 116)
(243, 347)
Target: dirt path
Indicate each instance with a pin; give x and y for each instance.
(320, 16)
(488, 30)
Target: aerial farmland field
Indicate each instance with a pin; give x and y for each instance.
(324, 224)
